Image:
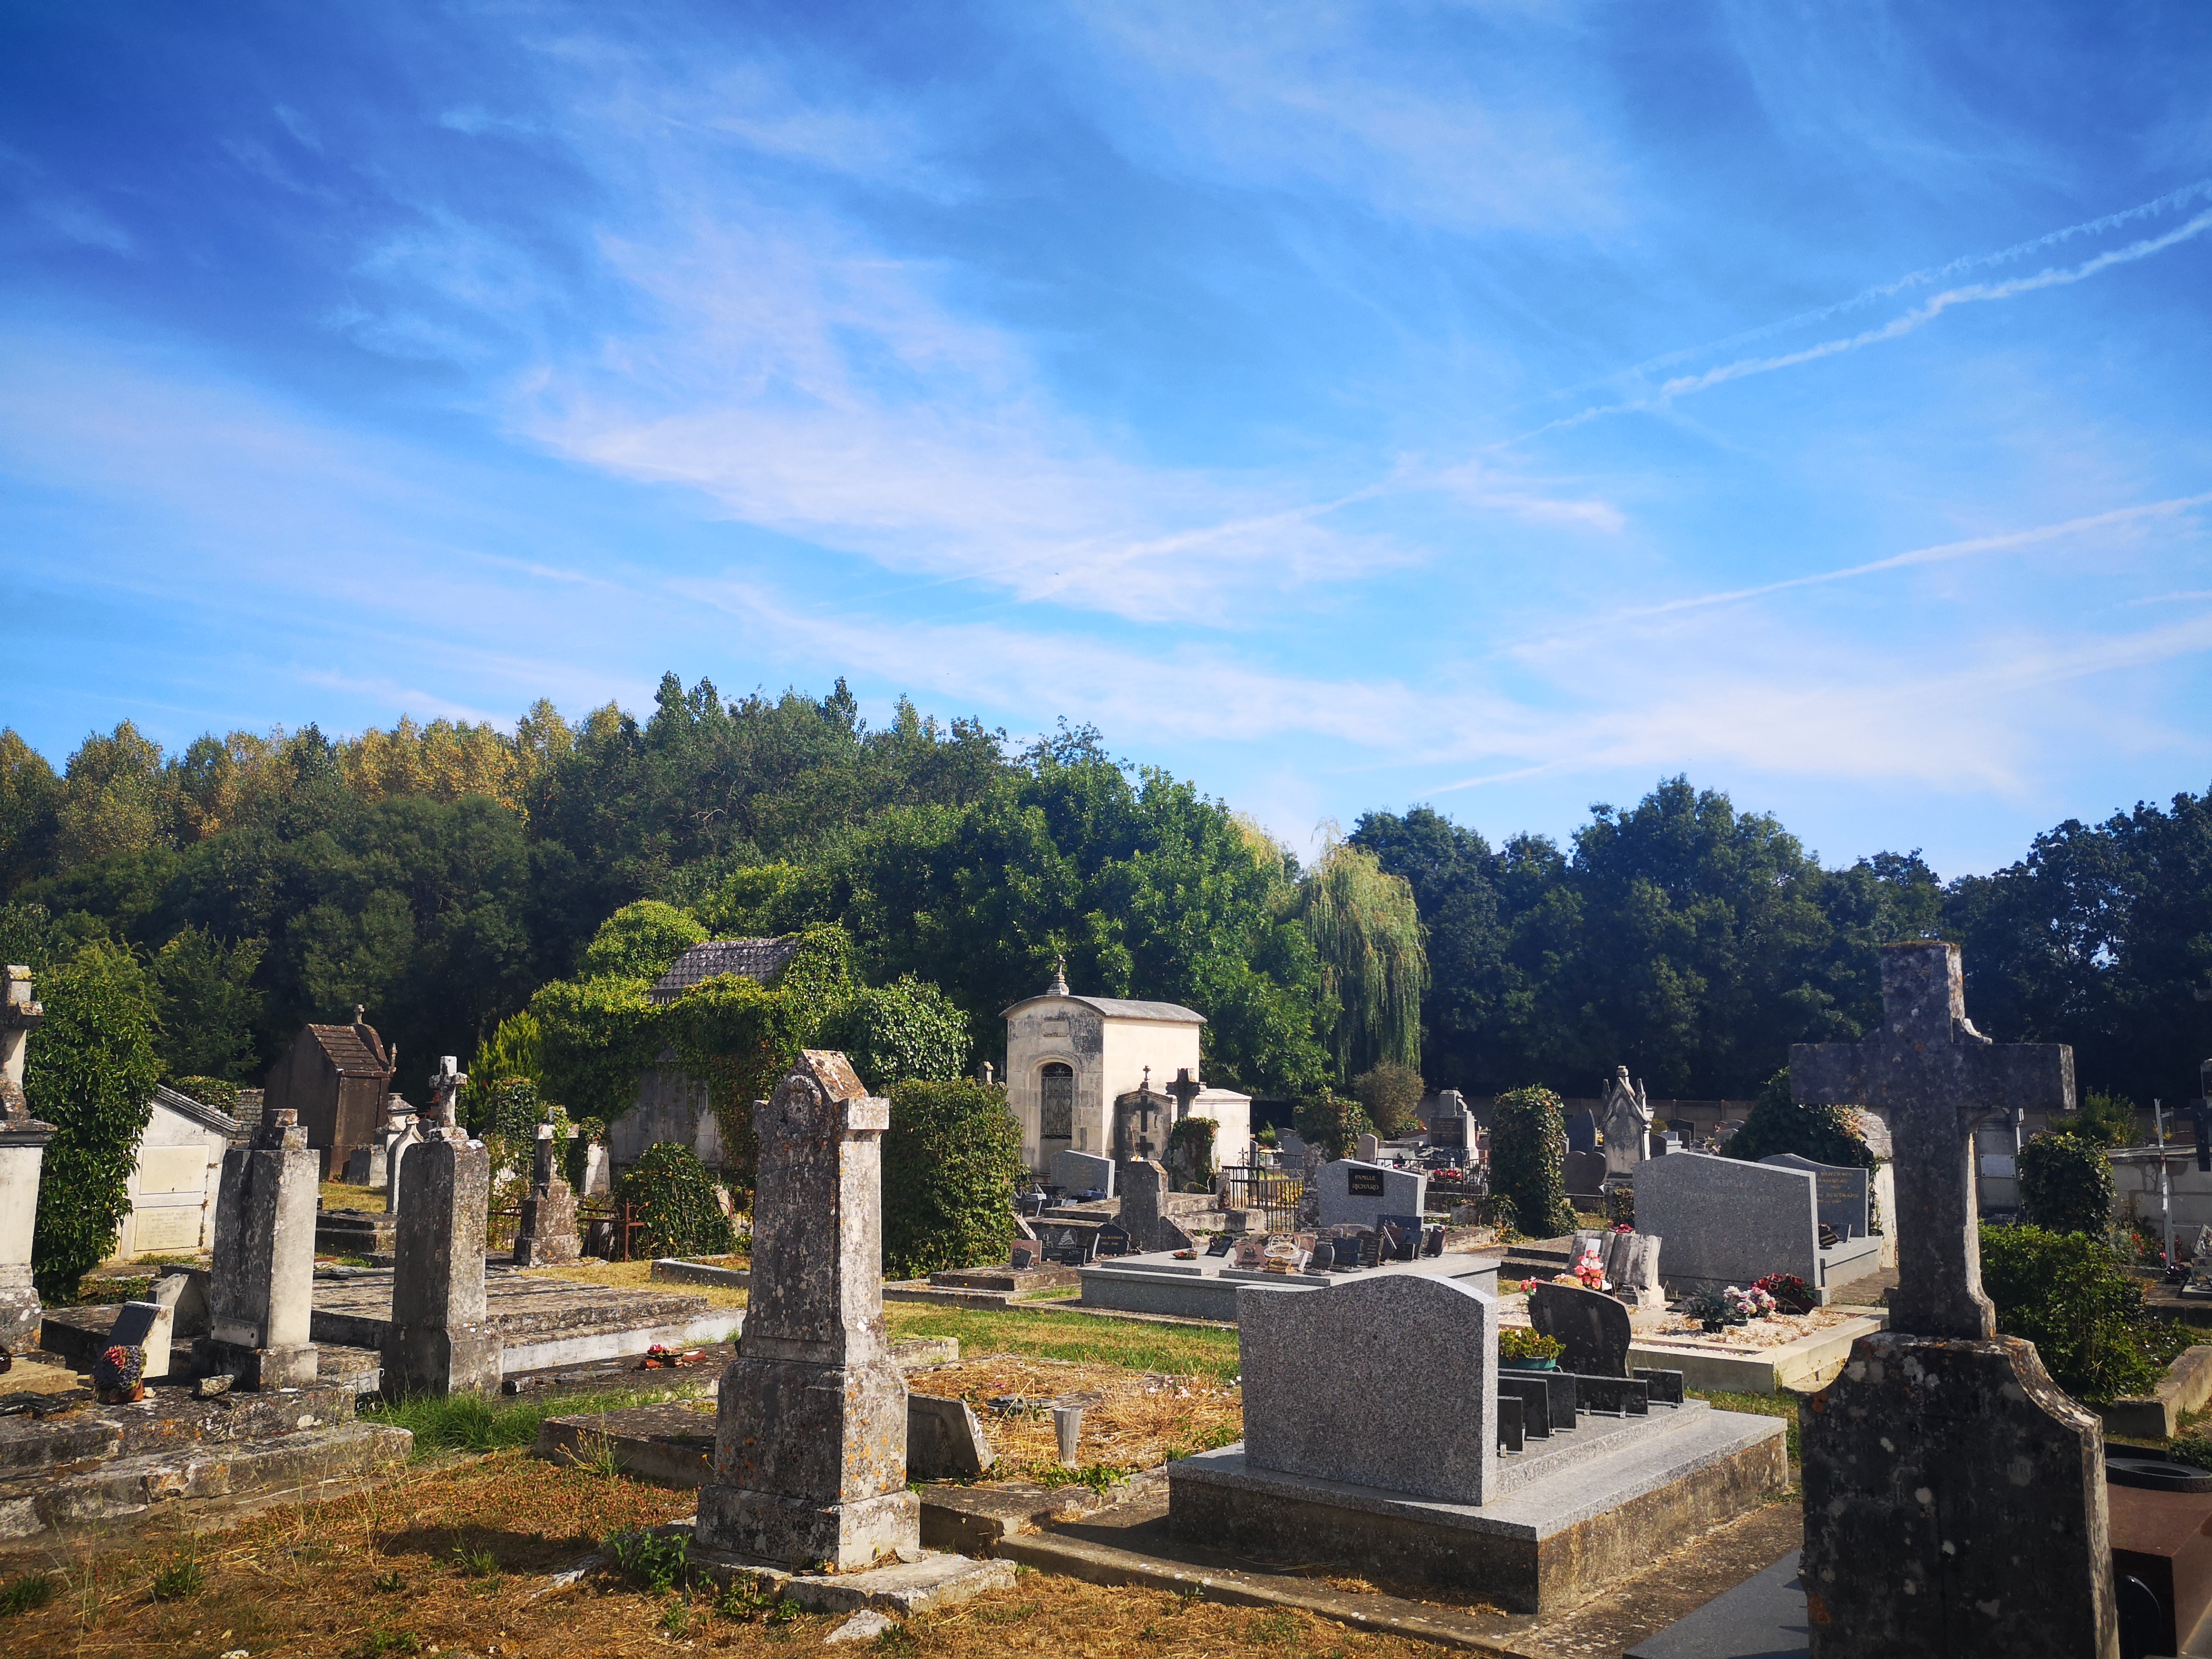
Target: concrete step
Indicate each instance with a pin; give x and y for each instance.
(122, 1488)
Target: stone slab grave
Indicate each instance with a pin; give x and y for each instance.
(1207, 1286)
(1570, 1502)
(1357, 1194)
(1955, 1498)
(1729, 1222)
(810, 1463)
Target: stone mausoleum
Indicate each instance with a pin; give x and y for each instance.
(672, 1105)
(336, 1078)
(1103, 1075)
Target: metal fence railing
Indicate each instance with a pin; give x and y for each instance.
(1264, 1191)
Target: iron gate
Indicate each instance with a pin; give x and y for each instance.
(1273, 1193)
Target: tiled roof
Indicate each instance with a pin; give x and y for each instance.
(354, 1054)
(751, 959)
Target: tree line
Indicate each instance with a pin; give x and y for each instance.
(443, 875)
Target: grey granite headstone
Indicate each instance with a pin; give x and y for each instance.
(1627, 1125)
(1841, 1192)
(1582, 1131)
(1082, 1172)
(1356, 1194)
(1584, 1173)
(1371, 1335)
(1728, 1221)
(810, 1440)
(438, 1341)
(150, 1328)
(1955, 1498)
(1368, 1150)
(1593, 1326)
(261, 1282)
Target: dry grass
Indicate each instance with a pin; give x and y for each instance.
(637, 1275)
(344, 1195)
(453, 1561)
(1131, 1420)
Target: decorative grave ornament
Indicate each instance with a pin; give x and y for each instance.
(1627, 1120)
(1955, 1498)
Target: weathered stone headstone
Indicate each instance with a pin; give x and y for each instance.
(810, 1442)
(1082, 1172)
(1593, 1326)
(1369, 1149)
(1352, 1193)
(1372, 1335)
(1842, 1194)
(1582, 1131)
(402, 1133)
(1728, 1221)
(944, 1441)
(23, 1141)
(1143, 1184)
(1628, 1127)
(261, 1282)
(438, 1341)
(1632, 1266)
(1955, 1498)
(547, 1237)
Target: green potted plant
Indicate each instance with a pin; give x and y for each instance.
(1523, 1349)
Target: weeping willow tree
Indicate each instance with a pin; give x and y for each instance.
(1368, 935)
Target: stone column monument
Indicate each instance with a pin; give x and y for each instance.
(261, 1284)
(1955, 1498)
(438, 1341)
(547, 1237)
(810, 1444)
(1626, 1119)
(22, 1148)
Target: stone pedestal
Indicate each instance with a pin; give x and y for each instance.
(261, 1284)
(439, 1342)
(547, 1237)
(1955, 1505)
(810, 1444)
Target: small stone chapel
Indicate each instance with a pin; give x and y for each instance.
(1111, 1077)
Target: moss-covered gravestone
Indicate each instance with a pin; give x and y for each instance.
(1955, 1498)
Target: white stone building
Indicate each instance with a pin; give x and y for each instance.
(171, 1186)
(1069, 1058)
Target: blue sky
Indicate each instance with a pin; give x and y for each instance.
(1498, 407)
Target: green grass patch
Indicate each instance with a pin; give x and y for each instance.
(1171, 1350)
(1057, 1293)
(1781, 1403)
(470, 1423)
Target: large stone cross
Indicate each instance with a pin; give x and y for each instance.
(1935, 1077)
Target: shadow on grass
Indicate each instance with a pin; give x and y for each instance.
(472, 1423)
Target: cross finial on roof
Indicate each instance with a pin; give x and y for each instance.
(1059, 986)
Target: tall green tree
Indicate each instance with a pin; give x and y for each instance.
(208, 1005)
(1366, 934)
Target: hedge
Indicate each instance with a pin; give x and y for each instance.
(1527, 1160)
(950, 1160)
(672, 1193)
(2066, 1185)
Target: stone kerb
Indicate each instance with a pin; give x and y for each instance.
(1305, 1357)
(810, 1442)
(1728, 1221)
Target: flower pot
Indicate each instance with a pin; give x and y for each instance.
(1507, 1363)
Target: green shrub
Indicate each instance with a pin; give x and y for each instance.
(2066, 1185)
(657, 1564)
(90, 1072)
(2066, 1293)
(209, 1091)
(1331, 1121)
(672, 1193)
(640, 941)
(1390, 1094)
(950, 1160)
(1776, 1123)
(907, 1028)
(2106, 1119)
(1190, 1150)
(1527, 1155)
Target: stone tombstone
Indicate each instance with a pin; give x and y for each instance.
(810, 1439)
(1584, 1173)
(1143, 1184)
(1729, 1222)
(1593, 1326)
(1452, 1126)
(23, 1141)
(1842, 1192)
(1627, 1125)
(1582, 1131)
(1954, 1498)
(1113, 1240)
(366, 1167)
(1371, 1334)
(1353, 1194)
(261, 1282)
(547, 1237)
(439, 1342)
(1082, 1172)
(1371, 1149)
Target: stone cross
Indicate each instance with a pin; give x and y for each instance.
(445, 1089)
(1935, 1077)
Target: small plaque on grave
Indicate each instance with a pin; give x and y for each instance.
(1222, 1244)
(1113, 1239)
(1363, 1184)
(1026, 1253)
